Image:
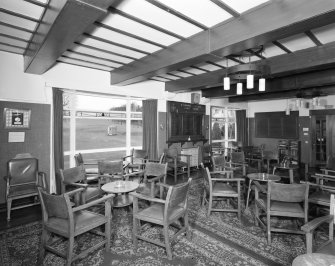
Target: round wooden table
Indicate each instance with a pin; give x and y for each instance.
(122, 189)
(314, 259)
(263, 177)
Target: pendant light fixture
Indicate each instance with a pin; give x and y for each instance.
(250, 78)
(261, 84)
(239, 88)
(226, 79)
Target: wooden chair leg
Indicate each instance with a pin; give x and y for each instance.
(70, 251)
(187, 228)
(268, 226)
(9, 206)
(210, 202)
(135, 232)
(167, 242)
(44, 239)
(239, 207)
(256, 214)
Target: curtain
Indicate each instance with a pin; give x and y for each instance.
(58, 153)
(149, 116)
(242, 127)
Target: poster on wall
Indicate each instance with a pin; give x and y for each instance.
(16, 118)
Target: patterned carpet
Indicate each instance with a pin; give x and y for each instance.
(220, 239)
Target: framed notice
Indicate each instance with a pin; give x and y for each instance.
(16, 118)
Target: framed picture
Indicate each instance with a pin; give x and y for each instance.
(17, 118)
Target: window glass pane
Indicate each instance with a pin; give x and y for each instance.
(100, 133)
(136, 106)
(136, 133)
(218, 129)
(109, 155)
(87, 102)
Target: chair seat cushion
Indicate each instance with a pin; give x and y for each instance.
(280, 206)
(320, 197)
(83, 221)
(155, 213)
(22, 190)
(220, 187)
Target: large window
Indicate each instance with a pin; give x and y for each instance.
(101, 128)
(223, 126)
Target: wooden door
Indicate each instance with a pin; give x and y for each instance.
(323, 139)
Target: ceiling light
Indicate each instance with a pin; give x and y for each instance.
(247, 72)
(239, 88)
(261, 84)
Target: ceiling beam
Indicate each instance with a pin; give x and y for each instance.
(63, 22)
(283, 19)
(302, 61)
(281, 87)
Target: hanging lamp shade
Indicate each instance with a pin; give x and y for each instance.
(250, 81)
(239, 88)
(261, 84)
(226, 83)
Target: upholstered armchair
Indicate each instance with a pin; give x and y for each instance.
(22, 180)
(61, 219)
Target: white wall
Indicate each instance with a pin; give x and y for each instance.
(15, 85)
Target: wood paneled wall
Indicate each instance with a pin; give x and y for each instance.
(37, 140)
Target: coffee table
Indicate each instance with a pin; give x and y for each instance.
(263, 177)
(121, 189)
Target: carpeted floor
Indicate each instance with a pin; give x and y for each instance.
(220, 239)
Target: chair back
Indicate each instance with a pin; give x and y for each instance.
(288, 192)
(73, 175)
(219, 162)
(22, 170)
(172, 152)
(207, 180)
(138, 155)
(177, 196)
(155, 169)
(237, 157)
(330, 162)
(111, 167)
(78, 159)
(58, 206)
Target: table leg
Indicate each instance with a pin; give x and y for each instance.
(290, 172)
(248, 195)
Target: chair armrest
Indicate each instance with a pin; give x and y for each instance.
(312, 225)
(222, 172)
(84, 186)
(186, 155)
(134, 174)
(41, 180)
(144, 197)
(259, 187)
(127, 156)
(70, 193)
(156, 178)
(94, 202)
(327, 170)
(90, 163)
(228, 179)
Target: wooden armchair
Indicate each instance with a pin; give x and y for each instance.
(74, 178)
(162, 212)
(238, 162)
(91, 168)
(222, 187)
(309, 228)
(320, 192)
(282, 200)
(137, 159)
(22, 180)
(176, 164)
(111, 170)
(59, 218)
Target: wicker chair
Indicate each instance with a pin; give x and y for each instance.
(162, 212)
(59, 218)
